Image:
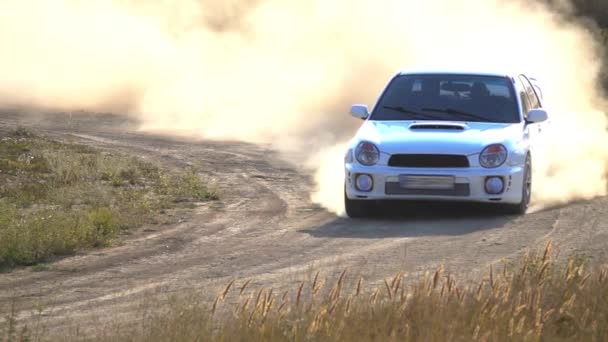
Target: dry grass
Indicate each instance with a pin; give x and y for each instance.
(56, 198)
(537, 299)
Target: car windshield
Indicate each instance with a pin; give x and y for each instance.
(448, 98)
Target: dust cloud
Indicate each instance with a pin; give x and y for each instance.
(285, 72)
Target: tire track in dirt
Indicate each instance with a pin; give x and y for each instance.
(265, 228)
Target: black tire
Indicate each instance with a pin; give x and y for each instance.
(358, 208)
(522, 207)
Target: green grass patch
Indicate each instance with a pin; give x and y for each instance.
(57, 198)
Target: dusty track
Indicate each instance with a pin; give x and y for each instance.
(265, 229)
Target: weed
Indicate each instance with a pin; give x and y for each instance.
(104, 225)
(40, 268)
(190, 184)
(56, 198)
(535, 299)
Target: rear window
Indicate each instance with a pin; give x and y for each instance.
(448, 98)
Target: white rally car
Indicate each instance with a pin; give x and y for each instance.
(446, 136)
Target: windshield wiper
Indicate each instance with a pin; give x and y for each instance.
(409, 111)
(459, 112)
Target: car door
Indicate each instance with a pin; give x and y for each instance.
(531, 100)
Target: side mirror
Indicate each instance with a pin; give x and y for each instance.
(537, 115)
(359, 111)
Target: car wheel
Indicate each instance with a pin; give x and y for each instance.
(522, 207)
(358, 208)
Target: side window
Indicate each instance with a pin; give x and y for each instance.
(538, 91)
(534, 102)
(523, 95)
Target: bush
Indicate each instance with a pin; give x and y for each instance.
(104, 225)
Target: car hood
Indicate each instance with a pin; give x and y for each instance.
(437, 136)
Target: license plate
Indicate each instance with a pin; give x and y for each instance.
(427, 182)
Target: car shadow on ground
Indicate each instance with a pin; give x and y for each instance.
(406, 219)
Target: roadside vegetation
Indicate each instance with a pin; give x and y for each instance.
(604, 37)
(595, 11)
(57, 198)
(538, 298)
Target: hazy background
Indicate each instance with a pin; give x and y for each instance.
(286, 72)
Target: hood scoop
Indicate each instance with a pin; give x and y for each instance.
(437, 126)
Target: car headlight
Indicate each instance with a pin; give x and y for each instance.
(493, 156)
(367, 153)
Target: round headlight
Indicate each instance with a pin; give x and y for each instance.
(364, 182)
(367, 153)
(493, 156)
(494, 185)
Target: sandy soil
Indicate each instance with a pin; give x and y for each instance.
(266, 229)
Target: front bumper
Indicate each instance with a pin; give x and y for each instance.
(469, 184)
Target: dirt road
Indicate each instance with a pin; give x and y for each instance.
(266, 229)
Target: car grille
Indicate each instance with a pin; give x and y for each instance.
(460, 190)
(429, 160)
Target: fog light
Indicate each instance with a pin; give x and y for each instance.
(495, 185)
(364, 183)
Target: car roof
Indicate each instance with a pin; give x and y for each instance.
(480, 72)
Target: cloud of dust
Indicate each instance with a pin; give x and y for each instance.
(287, 71)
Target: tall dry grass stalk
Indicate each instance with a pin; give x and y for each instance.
(534, 299)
